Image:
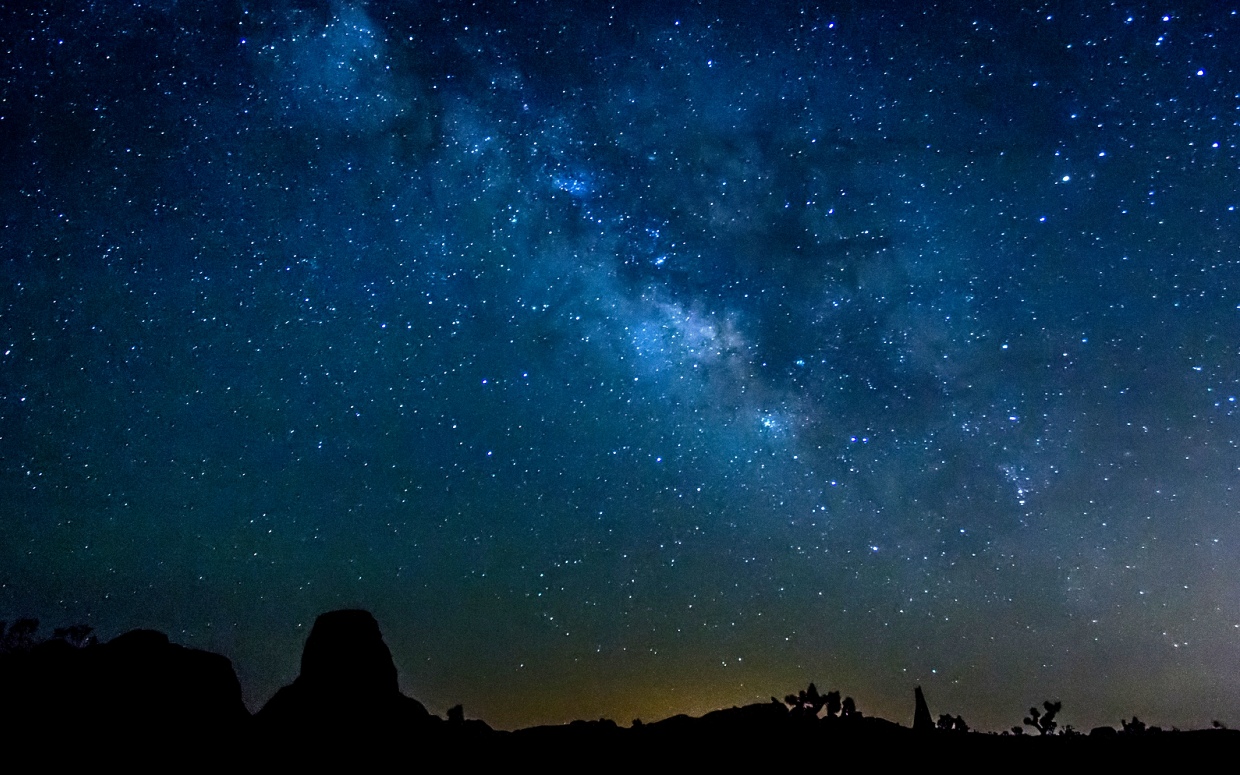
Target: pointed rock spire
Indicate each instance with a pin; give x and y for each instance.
(922, 722)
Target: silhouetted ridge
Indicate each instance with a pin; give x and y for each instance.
(136, 691)
(148, 701)
(143, 677)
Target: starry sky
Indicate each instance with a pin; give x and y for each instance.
(636, 361)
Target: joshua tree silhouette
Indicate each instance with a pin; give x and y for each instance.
(809, 703)
(1044, 722)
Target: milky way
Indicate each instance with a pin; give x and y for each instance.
(629, 363)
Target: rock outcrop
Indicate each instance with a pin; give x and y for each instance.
(347, 689)
(138, 691)
(922, 721)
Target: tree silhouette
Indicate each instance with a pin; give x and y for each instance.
(950, 723)
(18, 638)
(77, 635)
(1044, 722)
(23, 636)
(1134, 727)
(808, 702)
(849, 709)
(833, 704)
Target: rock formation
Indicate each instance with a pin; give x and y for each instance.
(922, 722)
(347, 688)
(136, 692)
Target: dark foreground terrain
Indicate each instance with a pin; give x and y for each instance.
(146, 701)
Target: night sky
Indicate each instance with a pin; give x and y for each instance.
(635, 362)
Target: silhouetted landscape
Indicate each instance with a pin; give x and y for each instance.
(143, 697)
(626, 360)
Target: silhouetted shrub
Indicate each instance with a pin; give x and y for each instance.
(950, 723)
(1134, 727)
